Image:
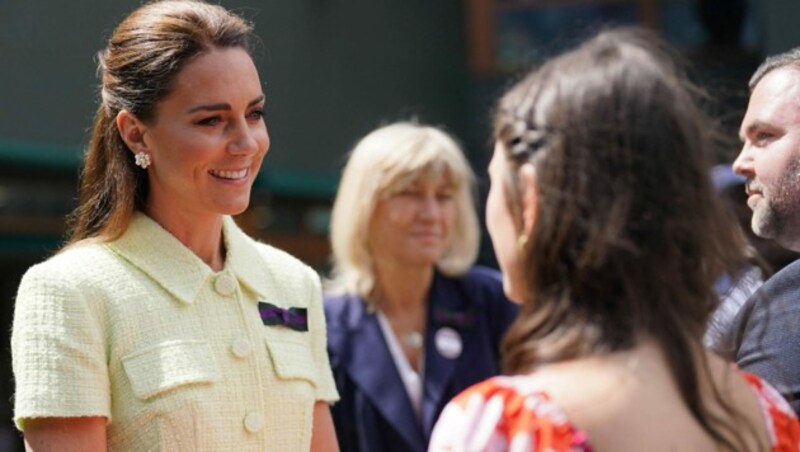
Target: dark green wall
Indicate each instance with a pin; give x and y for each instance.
(332, 70)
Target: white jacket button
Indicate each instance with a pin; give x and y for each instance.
(225, 285)
(253, 422)
(241, 348)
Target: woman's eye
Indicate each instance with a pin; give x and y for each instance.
(444, 196)
(210, 121)
(408, 193)
(256, 114)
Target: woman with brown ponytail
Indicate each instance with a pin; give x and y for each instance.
(161, 325)
(604, 224)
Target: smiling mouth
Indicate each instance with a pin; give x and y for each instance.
(426, 236)
(229, 175)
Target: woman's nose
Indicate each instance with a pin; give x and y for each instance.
(242, 140)
(430, 208)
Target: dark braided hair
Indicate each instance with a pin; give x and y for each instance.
(626, 242)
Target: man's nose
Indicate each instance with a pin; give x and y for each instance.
(743, 165)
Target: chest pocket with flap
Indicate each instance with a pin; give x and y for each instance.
(291, 357)
(170, 365)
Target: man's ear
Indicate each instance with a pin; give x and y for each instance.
(530, 197)
(132, 131)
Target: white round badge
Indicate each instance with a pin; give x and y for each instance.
(448, 343)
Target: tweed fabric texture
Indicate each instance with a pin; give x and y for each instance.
(176, 356)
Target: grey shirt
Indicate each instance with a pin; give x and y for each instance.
(767, 333)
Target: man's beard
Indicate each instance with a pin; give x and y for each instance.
(778, 217)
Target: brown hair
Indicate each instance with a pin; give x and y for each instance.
(627, 241)
(143, 56)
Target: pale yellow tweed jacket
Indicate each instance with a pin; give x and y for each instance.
(176, 356)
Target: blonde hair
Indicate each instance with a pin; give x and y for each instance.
(383, 162)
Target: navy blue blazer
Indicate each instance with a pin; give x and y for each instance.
(374, 413)
(767, 333)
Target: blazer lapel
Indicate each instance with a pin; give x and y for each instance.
(374, 371)
(444, 296)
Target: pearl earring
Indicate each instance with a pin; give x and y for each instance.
(143, 160)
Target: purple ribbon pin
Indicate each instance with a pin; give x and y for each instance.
(294, 318)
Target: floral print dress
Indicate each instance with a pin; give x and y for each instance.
(504, 414)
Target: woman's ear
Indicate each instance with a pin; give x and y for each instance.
(530, 197)
(132, 131)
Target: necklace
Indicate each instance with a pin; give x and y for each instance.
(413, 340)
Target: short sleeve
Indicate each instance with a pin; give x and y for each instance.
(326, 388)
(58, 350)
(781, 421)
(768, 334)
(496, 415)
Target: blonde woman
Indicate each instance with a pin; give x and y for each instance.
(411, 321)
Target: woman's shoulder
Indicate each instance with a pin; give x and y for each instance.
(783, 427)
(283, 266)
(482, 289)
(340, 301)
(342, 310)
(477, 282)
(502, 413)
(75, 261)
(479, 274)
(83, 273)
(506, 390)
(766, 392)
(277, 256)
(245, 245)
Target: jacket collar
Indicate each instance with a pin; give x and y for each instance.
(372, 369)
(371, 359)
(444, 295)
(163, 258)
